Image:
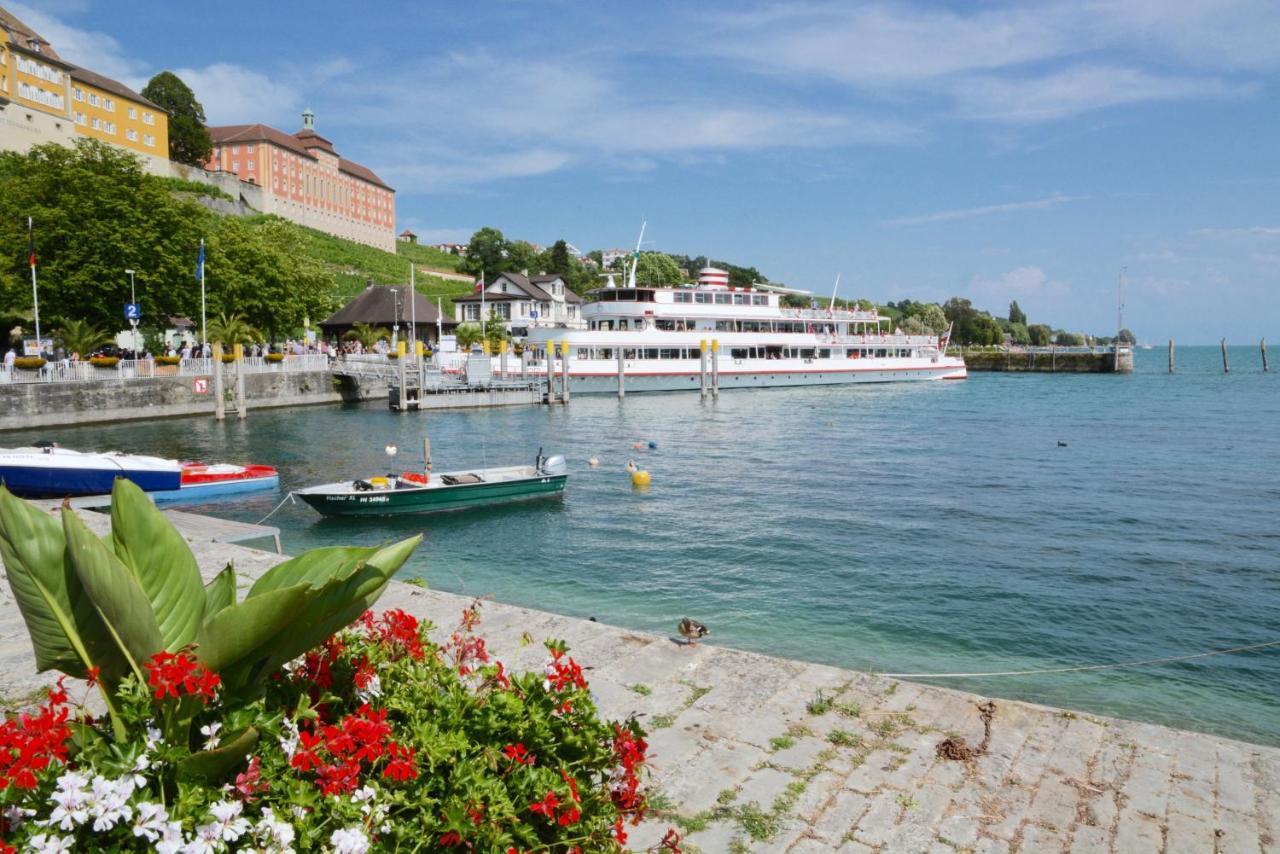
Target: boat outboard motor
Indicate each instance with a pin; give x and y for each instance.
(554, 465)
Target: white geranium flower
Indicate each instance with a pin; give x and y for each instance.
(349, 840)
(109, 802)
(151, 821)
(371, 690)
(231, 824)
(50, 844)
(273, 833)
(206, 841)
(289, 741)
(72, 802)
(16, 816)
(171, 839)
(153, 737)
(210, 732)
(364, 793)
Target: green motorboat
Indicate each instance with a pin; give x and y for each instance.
(430, 492)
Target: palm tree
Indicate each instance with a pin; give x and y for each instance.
(367, 335)
(81, 336)
(231, 329)
(468, 335)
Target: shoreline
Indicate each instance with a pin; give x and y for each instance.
(784, 755)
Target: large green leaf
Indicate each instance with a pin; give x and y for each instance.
(244, 629)
(124, 608)
(211, 767)
(314, 567)
(160, 560)
(220, 593)
(66, 631)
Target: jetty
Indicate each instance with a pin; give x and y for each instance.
(1048, 360)
(756, 753)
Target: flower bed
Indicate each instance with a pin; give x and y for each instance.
(375, 738)
(168, 360)
(104, 361)
(29, 363)
(275, 357)
(228, 358)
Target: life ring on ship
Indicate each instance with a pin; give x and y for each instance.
(414, 477)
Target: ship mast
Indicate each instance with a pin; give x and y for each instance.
(635, 256)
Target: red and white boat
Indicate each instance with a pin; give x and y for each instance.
(207, 481)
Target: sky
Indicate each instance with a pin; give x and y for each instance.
(1040, 151)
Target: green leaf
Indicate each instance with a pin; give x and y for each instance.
(66, 631)
(244, 629)
(220, 593)
(211, 767)
(314, 567)
(161, 562)
(124, 608)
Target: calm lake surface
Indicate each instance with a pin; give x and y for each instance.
(934, 527)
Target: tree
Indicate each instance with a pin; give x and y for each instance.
(1040, 335)
(82, 337)
(368, 335)
(658, 270)
(933, 318)
(559, 261)
(468, 335)
(189, 140)
(1016, 314)
(231, 329)
(1068, 339)
(521, 257)
(1126, 337)
(961, 312)
(486, 253)
(1019, 334)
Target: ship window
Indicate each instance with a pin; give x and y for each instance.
(651, 353)
(741, 299)
(702, 297)
(724, 299)
(606, 353)
(880, 354)
(759, 299)
(722, 326)
(585, 353)
(669, 354)
(683, 297)
(806, 353)
(628, 354)
(622, 324)
(824, 354)
(664, 324)
(738, 353)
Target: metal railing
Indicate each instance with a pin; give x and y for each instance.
(127, 369)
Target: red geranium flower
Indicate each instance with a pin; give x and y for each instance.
(518, 754)
(401, 767)
(547, 806)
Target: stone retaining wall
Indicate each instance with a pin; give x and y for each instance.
(1047, 363)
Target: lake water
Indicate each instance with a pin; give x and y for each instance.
(904, 528)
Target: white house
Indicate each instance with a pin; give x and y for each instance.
(523, 303)
(608, 256)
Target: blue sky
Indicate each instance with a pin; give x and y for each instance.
(990, 150)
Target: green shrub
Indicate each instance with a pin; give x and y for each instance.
(29, 363)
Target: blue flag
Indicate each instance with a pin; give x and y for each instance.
(200, 264)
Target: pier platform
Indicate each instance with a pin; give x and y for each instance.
(755, 753)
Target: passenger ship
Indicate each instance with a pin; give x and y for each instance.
(651, 339)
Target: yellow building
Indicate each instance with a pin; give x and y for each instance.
(55, 100)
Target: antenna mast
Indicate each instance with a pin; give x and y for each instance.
(635, 256)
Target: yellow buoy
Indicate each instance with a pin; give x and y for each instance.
(640, 478)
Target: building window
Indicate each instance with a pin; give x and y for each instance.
(148, 119)
(235, 149)
(94, 100)
(248, 149)
(131, 135)
(95, 124)
(149, 140)
(108, 105)
(109, 127)
(250, 163)
(133, 113)
(77, 93)
(81, 120)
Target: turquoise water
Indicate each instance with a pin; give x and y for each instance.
(906, 528)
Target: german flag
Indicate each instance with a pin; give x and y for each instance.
(31, 242)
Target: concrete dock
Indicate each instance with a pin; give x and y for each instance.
(754, 753)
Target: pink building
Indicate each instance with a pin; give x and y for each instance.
(303, 179)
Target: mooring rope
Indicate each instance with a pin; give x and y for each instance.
(288, 497)
(1085, 667)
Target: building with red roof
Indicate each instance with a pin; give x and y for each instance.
(304, 179)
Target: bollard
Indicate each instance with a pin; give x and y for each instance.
(404, 375)
(1170, 355)
(702, 369)
(564, 372)
(551, 371)
(622, 371)
(242, 405)
(1226, 369)
(1265, 367)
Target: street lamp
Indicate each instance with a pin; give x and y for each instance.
(133, 300)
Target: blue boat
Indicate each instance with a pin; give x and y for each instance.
(47, 471)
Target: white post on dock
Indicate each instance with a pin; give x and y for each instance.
(215, 365)
(1170, 355)
(702, 369)
(715, 369)
(551, 372)
(564, 371)
(403, 406)
(242, 405)
(622, 371)
(1226, 369)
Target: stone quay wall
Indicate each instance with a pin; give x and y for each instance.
(1016, 361)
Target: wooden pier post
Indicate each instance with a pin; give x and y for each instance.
(702, 370)
(622, 370)
(715, 369)
(1263, 346)
(215, 364)
(1226, 369)
(242, 404)
(1170, 355)
(564, 372)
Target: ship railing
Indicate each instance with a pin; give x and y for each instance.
(823, 314)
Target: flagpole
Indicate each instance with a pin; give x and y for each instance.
(413, 307)
(203, 339)
(35, 293)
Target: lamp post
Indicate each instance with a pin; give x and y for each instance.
(133, 301)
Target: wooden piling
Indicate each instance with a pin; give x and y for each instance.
(622, 381)
(551, 371)
(564, 372)
(702, 369)
(242, 404)
(215, 364)
(1170, 355)
(1226, 369)
(1263, 346)
(715, 369)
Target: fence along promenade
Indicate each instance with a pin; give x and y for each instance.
(128, 369)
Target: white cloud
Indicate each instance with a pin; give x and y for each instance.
(1252, 231)
(232, 94)
(1019, 283)
(985, 210)
(96, 51)
(1076, 90)
(445, 169)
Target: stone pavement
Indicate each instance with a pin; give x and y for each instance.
(753, 753)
